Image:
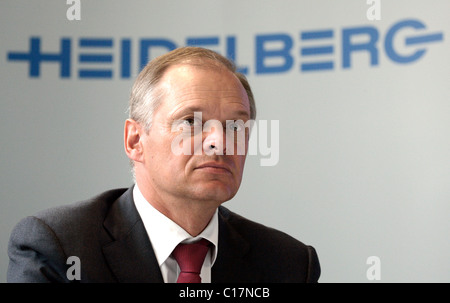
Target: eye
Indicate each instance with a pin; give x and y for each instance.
(189, 125)
(192, 122)
(235, 126)
(188, 121)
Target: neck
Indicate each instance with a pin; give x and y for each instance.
(191, 215)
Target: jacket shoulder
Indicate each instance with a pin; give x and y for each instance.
(39, 245)
(80, 214)
(284, 258)
(259, 233)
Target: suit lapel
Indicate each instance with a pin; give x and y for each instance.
(130, 255)
(232, 264)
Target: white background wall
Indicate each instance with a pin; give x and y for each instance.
(364, 152)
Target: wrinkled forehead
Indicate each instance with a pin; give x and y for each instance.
(205, 63)
(186, 84)
(189, 77)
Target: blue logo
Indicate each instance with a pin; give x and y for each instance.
(273, 53)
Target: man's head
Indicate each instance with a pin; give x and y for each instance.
(164, 101)
(145, 95)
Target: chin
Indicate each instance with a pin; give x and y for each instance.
(216, 192)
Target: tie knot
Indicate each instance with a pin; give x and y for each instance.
(190, 258)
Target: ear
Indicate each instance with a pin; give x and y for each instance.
(133, 140)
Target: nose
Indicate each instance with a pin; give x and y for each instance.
(213, 138)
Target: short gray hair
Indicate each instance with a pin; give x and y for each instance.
(146, 96)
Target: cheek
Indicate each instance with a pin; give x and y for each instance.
(239, 162)
(157, 155)
(164, 160)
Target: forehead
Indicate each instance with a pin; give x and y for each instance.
(187, 85)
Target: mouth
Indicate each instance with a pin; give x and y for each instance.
(214, 168)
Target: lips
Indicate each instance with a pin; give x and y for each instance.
(214, 167)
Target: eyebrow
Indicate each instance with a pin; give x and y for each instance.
(191, 109)
(185, 111)
(242, 113)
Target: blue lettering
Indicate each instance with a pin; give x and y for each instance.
(389, 41)
(262, 53)
(125, 70)
(309, 51)
(202, 42)
(146, 44)
(231, 54)
(348, 47)
(35, 57)
(95, 58)
(273, 52)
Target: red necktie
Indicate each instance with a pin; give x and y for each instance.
(190, 258)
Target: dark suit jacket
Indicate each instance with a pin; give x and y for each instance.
(108, 236)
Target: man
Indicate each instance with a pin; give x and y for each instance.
(147, 232)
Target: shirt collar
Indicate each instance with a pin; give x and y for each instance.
(165, 234)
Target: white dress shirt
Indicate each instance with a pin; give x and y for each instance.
(165, 235)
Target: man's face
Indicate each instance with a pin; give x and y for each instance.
(199, 174)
